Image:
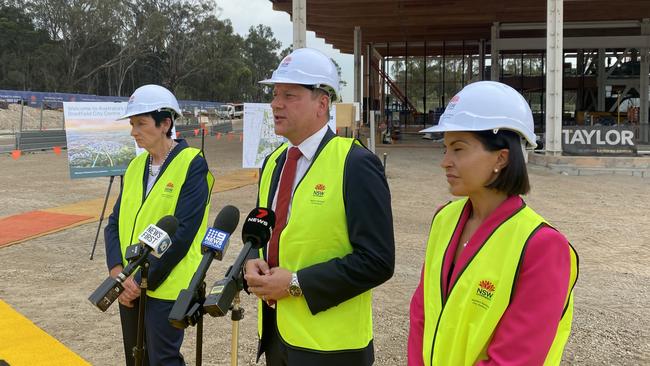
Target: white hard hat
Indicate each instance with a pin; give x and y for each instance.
(310, 67)
(488, 105)
(149, 98)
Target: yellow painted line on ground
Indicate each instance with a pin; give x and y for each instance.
(22, 343)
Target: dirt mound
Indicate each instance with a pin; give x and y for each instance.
(32, 117)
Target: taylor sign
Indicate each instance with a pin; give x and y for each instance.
(590, 140)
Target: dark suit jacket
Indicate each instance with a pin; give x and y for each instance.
(370, 227)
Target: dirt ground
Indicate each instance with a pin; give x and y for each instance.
(605, 217)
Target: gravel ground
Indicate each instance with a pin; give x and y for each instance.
(48, 279)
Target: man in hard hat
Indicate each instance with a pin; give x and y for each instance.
(170, 178)
(333, 239)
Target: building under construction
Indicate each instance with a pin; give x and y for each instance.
(582, 65)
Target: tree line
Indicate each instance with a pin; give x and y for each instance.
(110, 47)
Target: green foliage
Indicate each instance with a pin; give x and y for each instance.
(261, 54)
(110, 47)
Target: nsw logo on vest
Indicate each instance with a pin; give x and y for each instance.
(485, 289)
(484, 293)
(319, 190)
(169, 188)
(318, 197)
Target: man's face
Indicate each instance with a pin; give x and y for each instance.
(297, 111)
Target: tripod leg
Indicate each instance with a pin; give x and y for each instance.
(199, 342)
(236, 315)
(234, 344)
(101, 217)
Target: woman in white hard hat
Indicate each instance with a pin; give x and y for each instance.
(170, 178)
(497, 282)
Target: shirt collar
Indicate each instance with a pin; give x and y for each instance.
(310, 145)
(506, 209)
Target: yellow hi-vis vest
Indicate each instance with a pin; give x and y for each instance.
(458, 331)
(317, 231)
(136, 215)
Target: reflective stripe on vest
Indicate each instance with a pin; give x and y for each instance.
(317, 232)
(136, 215)
(458, 331)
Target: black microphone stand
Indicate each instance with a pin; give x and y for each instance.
(139, 349)
(181, 318)
(199, 325)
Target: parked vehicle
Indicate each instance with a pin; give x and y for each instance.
(231, 111)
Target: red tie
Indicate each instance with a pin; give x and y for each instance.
(282, 204)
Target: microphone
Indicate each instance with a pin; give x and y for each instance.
(256, 232)
(185, 311)
(216, 239)
(156, 240)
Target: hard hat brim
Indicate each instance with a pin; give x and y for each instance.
(455, 128)
(436, 128)
(175, 113)
(279, 80)
(127, 115)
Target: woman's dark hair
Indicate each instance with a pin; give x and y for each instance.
(513, 178)
(158, 117)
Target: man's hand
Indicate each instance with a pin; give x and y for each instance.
(256, 267)
(267, 284)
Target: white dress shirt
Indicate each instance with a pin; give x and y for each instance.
(308, 149)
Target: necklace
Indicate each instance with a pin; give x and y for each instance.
(151, 173)
(465, 244)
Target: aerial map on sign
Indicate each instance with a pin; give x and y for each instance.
(259, 134)
(98, 143)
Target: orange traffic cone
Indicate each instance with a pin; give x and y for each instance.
(15, 154)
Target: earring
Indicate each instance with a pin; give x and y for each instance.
(496, 170)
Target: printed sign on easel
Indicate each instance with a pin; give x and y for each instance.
(99, 145)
